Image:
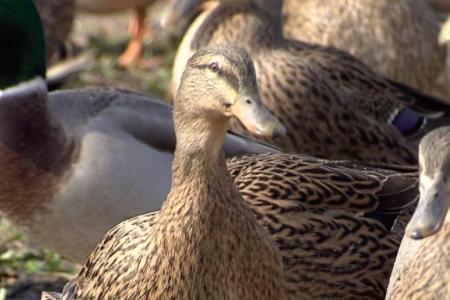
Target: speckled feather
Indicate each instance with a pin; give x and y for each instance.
(397, 38)
(315, 210)
(333, 105)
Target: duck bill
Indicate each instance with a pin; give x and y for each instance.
(256, 118)
(178, 11)
(431, 211)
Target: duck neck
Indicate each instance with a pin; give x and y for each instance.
(242, 25)
(199, 166)
(199, 150)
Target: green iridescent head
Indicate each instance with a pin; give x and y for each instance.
(22, 50)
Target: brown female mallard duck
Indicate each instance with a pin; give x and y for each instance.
(422, 267)
(335, 223)
(332, 105)
(397, 38)
(181, 252)
(69, 159)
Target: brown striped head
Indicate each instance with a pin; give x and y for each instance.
(219, 82)
(434, 162)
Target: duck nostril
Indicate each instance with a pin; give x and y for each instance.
(248, 101)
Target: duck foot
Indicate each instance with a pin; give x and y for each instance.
(138, 32)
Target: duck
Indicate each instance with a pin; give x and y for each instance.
(108, 145)
(398, 39)
(421, 270)
(70, 158)
(332, 105)
(203, 221)
(214, 208)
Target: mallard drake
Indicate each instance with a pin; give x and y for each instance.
(69, 159)
(332, 105)
(421, 269)
(180, 252)
(399, 38)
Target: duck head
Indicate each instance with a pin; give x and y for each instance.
(434, 162)
(22, 54)
(219, 82)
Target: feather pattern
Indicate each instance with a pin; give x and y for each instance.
(332, 104)
(317, 211)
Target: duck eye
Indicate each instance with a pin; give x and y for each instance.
(214, 67)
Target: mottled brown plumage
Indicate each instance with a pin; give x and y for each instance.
(335, 223)
(397, 38)
(205, 243)
(332, 105)
(325, 217)
(422, 267)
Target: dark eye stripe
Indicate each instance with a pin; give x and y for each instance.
(231, 79)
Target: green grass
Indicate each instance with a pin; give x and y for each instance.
(22, 262)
